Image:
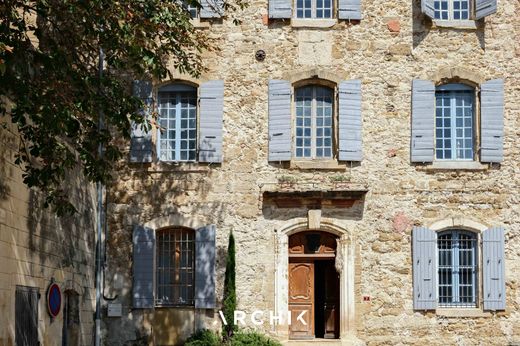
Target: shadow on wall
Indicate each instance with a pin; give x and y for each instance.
(422, 25)
(5, 150)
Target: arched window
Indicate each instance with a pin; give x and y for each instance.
(175, 267)
(454, 122)
(314, 112)
(457, 268)
(177, 136)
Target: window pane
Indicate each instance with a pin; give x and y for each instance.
(323, 121)
(303, 103)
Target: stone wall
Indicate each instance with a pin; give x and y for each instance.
(393, 44)
(36, 246)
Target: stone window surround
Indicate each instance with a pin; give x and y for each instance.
(345, 265)
(477, 228)
(474, 79)
(326, 78)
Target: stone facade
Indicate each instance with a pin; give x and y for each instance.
(36, 246)
(393, 44)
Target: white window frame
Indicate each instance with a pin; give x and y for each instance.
(313, 156)
(314, 10)
(451, 10)
(453, 88)
(177, 88)
(455, 267)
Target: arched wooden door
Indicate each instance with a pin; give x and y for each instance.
(313, 286)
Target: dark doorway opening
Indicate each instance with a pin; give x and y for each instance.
(326, 281)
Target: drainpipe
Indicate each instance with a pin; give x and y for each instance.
(100, 218)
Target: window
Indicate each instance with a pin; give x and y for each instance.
(177, 136)
(314, 9)
(193, 10)
(452, 9)
(454, 122)
(457, 268)
(175, 267)
(313, 127)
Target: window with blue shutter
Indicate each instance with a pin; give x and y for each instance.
(458, 10)
(447, 266)
(444, 122)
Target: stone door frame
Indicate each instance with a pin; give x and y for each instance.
(345, 265)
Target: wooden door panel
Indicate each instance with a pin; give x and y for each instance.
(301, 298)
(331, 301)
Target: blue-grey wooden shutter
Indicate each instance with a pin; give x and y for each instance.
(141, 141)
(143, 269)
(424, 269)
(279, 120)
(349, 9)
(484, 8)
(211, 9)
(493, 271)
(210, 123)
(350, 122)
(205, 267)
(423, 121)
(280, 9)
(492, 121)
(428, 8)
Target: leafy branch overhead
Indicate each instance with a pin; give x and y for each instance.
(51, 89)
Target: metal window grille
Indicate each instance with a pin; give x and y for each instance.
(314, 129)
(457, 269)
(175, 263)
(314, 9)
(178, 120)
(452, 9)
(454, 125)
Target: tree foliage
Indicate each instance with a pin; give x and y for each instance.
(51, 89)
(230, 297)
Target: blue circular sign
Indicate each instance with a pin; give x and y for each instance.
(54, 299)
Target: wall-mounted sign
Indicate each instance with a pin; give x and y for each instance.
(53, 299)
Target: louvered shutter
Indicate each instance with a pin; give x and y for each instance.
(492, 121)
(423, 121)
(143, 269)
(424, 269)
(141, 141)
(350, 122)
(349, 9)
(211, 9)
(485, 8)
(280, 9)
(279, 120)
(428, 8)
(493, 271)
(205, 267)
(211, 118)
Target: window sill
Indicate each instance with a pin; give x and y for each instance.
(313, 23)
(180, 166)
(197, 23)
(456, 24)
(329, 164)
(456, 165)
(461, 312)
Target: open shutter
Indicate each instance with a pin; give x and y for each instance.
(428, 8)
(484, 8)
(424, 273)
(423, 120)
(492, 121)
(350, 122)
(211, 9)
(210, 125)
(144, 245)
(493, 271)
(141, 141)
(279, 120)
(349, 9)
(205, 267)
(280, 9)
